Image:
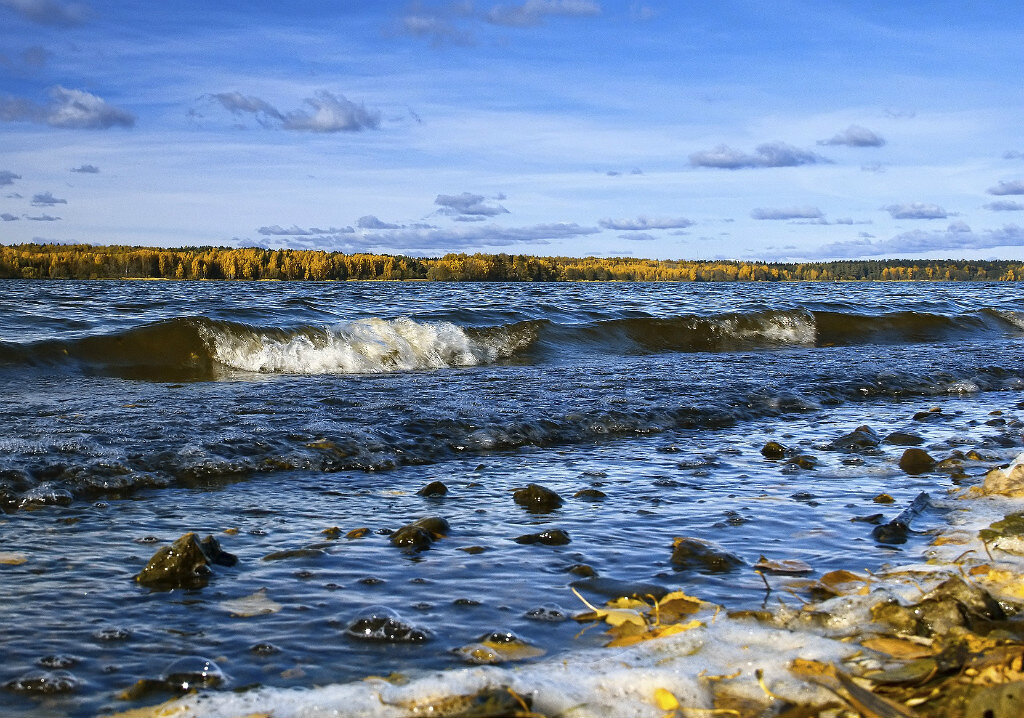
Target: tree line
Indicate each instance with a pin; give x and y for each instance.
(83, 261)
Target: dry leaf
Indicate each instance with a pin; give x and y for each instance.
(612, 616)
(899, 648)
(785, 566)
(665, 700)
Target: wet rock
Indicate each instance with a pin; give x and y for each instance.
(933, 414)
(332, 533)
(419, 535)
(582, 569)
(433, 489)
(497, 647)
(184, 564)
(473, 550)
(1007, 481)
(357, 533)
(382, 624)
(614, 588)
(112, 634)
(44, 683)
(895, 531)
(977, 601)
(590, 495)
(884, 499)
(550, 537)
(859, 439)
(293, 554)
(775, 450)
(903, 438)
(537, 499)
(869, 519)
(916, 461)
(264, 649)
(58, 661)
(703, 556)
(803, 461)
(46, 494)
(548, 613)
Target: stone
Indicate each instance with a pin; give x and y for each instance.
(419, 535)
(859, 439)
(903, 438)
(590, 495)
(775, 450)
(916, 461)
(433, 489)
(703, 556)
(550, 537)
(1007, 481)
(537, 499)
(184, 564)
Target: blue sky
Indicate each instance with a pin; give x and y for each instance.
(739, 129)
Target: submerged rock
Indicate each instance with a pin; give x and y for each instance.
(44, 683)
(420, 534)
(590, 495)
(537, 499)
(916, 461)
(380, 623)
(775, 450)
(191, 672)
(861, 438)
(703, 556)
(550, 537)
(184, 564)
(903, 438)
(433, 489)
(952, 604)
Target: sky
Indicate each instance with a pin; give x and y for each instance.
(737, 129)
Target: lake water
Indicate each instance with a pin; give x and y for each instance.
(266, 414)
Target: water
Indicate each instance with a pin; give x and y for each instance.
(266, 414)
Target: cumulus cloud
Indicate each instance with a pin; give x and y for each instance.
(49, 12)
(772, 154)
(787, 213)
(371, 222)
(916, 210)
(955, 238)
(7, 217)
(855, 136)
(645, 223)
(324, 112)
(1005, 205)
(46, 199)
(86, 169)
(7, 177)
(468, 204)
(533, 12)
(69, 109)
(1005, 188)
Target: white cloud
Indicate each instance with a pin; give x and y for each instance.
(49, 12)
(293, 231)
(957, 237)
(7, 217)
(916, 210)
(1005, 205)
(43, 218)
(533, 12)
(46, 199)
(371, 222)
(855, 136)
(638, 237)
(1007, 187)
(645, 223)
(86, 169)
(324, 112)
(468, 204)
(772, 154)
(787, 213)
(7, 177)
(68, 109)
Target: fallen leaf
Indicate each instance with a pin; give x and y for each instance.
(10, 558)
(784, 566)
(612, 616)
(898, 647)
(665, 700)
(255, 604)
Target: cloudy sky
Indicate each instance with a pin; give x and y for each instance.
(792, 129)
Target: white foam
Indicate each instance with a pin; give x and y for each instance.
(366, 346)
(778, 328)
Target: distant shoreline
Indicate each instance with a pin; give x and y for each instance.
(86, 262)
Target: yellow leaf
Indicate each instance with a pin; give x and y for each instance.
(665, 700)
(11, 558)
(612, 616)
(898, 647)
(675, 628)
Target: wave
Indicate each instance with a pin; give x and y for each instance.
(198, 348)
